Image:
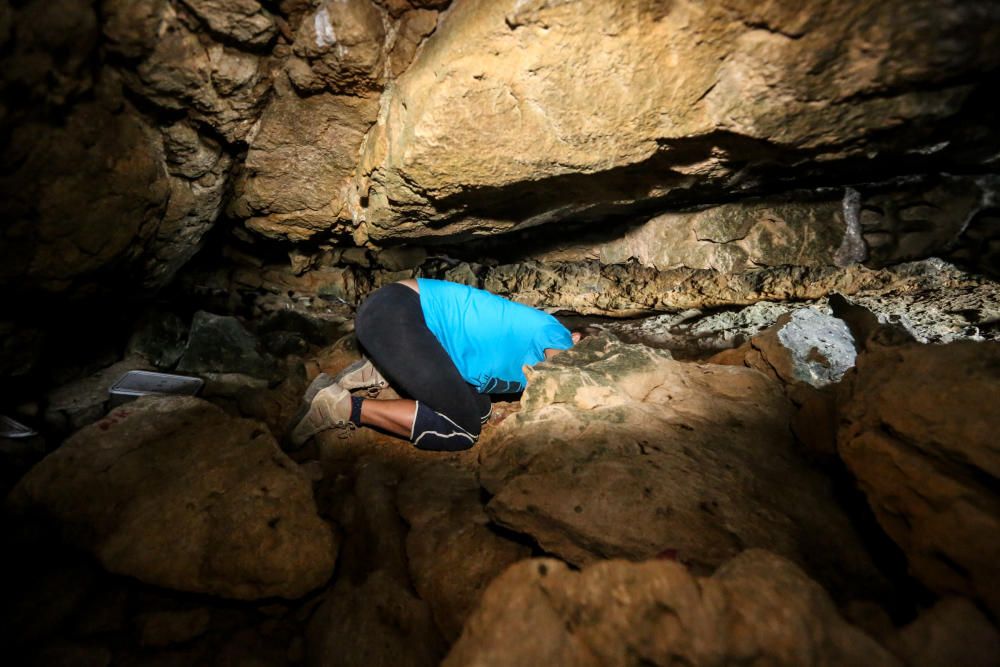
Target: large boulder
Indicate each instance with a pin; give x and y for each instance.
(757, 609)
(920, 435)
(172, 491)
(585, 108)
(620, 451)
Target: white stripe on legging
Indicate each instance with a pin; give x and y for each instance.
(462, 431)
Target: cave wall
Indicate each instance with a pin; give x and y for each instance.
(636, 137)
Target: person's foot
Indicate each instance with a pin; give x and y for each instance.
(329, 409)
(362, 374)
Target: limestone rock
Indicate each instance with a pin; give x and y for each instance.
(695, 333)
(453, 553)
(81, 201)
(952, 632)
(173, 492)
(295, 180)
(572, 106)
(935, 302)
(729, 238)
(920, 440)
(619, 451)
(806, 346)
(48, 47)
(626, 290)
(199, 172)
(911, 225)
(758, 608)
(163, 628)
(221, 344)
(371, 615)
(242, 20)
(414, 27)
(181, 70)
(160, 337)
(72, 406)
(339, 48)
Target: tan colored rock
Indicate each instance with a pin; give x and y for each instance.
(242, 20)
(758, 608)
(626, 290)
(398, 7)
(339, 48)
(729, 238)
(806, 347)
(175, 493)
(452, 551)
(296, 178)
(621, 452)
(414, 28)
(591, 106)
(918, 431)
(911, 225)
(181, 70)
(72, 406)
(199, 170)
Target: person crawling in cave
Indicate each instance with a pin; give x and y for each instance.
(445, 346)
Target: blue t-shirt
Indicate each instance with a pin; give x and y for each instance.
(488, 337)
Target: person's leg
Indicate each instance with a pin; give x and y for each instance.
(394, 416)
(445, 412)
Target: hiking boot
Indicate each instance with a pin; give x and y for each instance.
(362, 374)
(329, 409)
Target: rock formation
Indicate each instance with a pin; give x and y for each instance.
(621, 452)
(212, 187)
(540, 612)
(916, 432)
(173, 492)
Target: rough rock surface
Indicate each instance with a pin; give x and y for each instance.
(694, 333)
(74, 405)
(81, 201)
(221, 344)
(806, 346)
(934, 302)
(570, 102)
(919, 433)
(952, 632)
(756, 609)
(371, 615)
(175, 493)
(619, 451)
(244, 21)
(892, 224)
(178, 69)
(295, 180)
(729, 238)
(452, 549)
(630, 289)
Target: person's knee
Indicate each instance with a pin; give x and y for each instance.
(438, 432)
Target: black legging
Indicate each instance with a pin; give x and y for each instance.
(390, 327)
